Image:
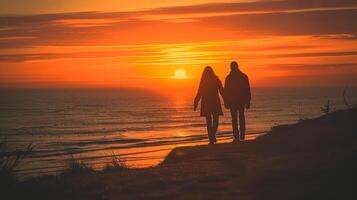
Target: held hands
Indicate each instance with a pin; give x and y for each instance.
(247, 106)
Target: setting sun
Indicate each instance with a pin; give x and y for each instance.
(180, 74)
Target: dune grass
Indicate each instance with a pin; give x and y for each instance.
(9, 160)
(77, 166)
(312, 159)
(117, 163)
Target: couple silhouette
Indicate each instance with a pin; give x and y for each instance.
(235, 93)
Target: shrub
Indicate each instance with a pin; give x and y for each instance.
(117, 163)
(326, 109)
(9, 160)
(77, 165)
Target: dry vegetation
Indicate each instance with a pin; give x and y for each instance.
(313, 159)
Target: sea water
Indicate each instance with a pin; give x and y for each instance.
(139, 125)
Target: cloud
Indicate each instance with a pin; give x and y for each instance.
(309, 54)
(153, 56)
(298, 23)
(29, 57)
(23, 37)
(304, 67)
(217, 21)
(256, 6)
(338, 37)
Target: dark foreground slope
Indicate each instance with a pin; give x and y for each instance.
(313, 159)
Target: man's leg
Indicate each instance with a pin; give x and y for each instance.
(242, 123)
(234, 123)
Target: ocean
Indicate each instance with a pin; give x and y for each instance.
(139, 125)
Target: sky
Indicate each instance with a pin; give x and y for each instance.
(132, 43)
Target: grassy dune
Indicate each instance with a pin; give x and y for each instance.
(312, 159)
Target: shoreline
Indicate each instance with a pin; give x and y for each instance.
(311, 159)
(141, 158)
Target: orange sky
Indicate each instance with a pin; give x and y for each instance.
(92, 44)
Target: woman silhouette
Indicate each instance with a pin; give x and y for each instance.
(208, 90)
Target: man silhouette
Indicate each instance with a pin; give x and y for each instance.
(237, 98)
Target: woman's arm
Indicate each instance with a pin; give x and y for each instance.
(197, 98)
(222, 91)
(220, 87)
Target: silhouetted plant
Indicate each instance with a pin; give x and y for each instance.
(326, 109)
(117, 163)
(299, 114)
(77, 165)
(345, 98)
(9, 160)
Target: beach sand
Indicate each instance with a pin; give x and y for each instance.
(312, 159)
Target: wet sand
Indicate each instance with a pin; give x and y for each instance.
(312, 159)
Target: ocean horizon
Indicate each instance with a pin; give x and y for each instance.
(140, 125)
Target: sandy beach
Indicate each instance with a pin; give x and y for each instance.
(312, 159)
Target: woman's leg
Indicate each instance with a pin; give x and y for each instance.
(215, 126)
(209, 128)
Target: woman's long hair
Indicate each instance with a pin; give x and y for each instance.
(207, 80)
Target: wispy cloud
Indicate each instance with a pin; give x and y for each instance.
(180, 24)
(315, 34)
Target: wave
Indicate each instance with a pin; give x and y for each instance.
(97, 145)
